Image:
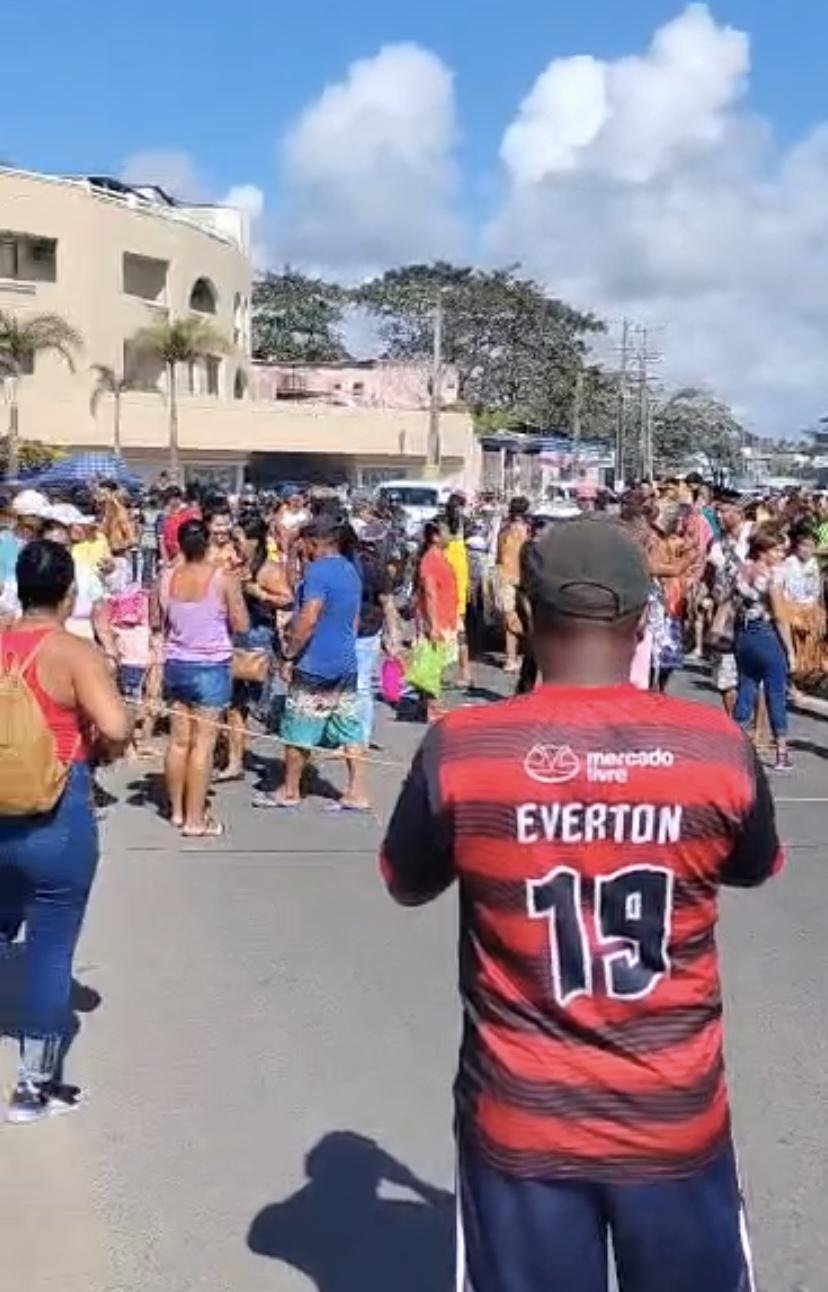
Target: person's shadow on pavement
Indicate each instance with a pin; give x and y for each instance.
(339, 1232)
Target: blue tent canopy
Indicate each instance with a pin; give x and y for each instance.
(84, 469)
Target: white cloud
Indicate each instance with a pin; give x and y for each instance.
(563, 113)
(642, 185)
(369, 167)
(250, 199)
(170, 168)
(245, 197)
(636, 117)
(645, 185)
(178, 174)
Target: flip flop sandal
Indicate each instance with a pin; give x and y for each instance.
(213, 829)
(357, 808)
(268, 803)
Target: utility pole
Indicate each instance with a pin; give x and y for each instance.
(645, 358)
(577, 408)
(621, 426)
(434, 450)
(645, 425)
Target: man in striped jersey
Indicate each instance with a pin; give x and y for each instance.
(589, 827)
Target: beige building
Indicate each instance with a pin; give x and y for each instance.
(112, 259)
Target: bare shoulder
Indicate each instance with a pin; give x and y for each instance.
(72, 652)
(269, 574)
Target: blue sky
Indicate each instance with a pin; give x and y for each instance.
(95, 81)
(676, 173)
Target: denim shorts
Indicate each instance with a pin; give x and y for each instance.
(200, 686)
(131, 679)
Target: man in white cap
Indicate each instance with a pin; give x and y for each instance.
(89, 618)
(29, 509)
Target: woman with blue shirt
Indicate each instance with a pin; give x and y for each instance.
(321, 710)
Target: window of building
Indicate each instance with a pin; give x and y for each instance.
(358, 388)
(238, 318)
(27, 258)
(192, 383)
(27, 365)
(203, 297)
(239, 384)
(145, 277)
(212, 369)
(141, 366)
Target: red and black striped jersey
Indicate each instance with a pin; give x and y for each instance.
(589, 831)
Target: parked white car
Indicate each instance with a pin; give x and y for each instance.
(419, 499)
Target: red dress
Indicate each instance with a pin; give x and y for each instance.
(436, 571)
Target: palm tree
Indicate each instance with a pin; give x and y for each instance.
(20, 341)
(179, 341)
(109, 382)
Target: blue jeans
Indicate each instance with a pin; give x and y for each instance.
(368, 654)
(47, 865)
(535, 1235)
(761, 660)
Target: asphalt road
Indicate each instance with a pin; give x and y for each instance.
(269, 1045)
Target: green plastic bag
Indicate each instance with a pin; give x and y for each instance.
(425, 668)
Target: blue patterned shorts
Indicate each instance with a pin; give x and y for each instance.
(321, 714)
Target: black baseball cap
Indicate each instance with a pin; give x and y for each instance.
(587, 568)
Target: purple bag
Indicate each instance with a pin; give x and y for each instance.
(392, 674)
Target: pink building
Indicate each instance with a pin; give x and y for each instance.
(369, 383)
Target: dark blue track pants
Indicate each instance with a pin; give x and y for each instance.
(553, 1236)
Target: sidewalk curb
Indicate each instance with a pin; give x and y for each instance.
(811, 705)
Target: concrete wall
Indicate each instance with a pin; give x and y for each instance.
(381, 384)
(376, 438)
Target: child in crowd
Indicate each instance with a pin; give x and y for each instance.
(137, 657)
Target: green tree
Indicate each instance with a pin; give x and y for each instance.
(516, 349)
(21, 341)
(297, 319)
(173, 343)
(32, 455)
(693, 423)
(108, 382)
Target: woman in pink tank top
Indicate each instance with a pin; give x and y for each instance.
(200, 607)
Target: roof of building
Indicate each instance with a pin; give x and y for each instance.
(147, 199)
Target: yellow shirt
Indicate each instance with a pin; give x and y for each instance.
(91, 551)
(458, 559)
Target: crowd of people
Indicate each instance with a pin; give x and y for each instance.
(211, 609)
(186, 615)
(742, 582)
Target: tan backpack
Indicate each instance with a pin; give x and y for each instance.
(32, 777)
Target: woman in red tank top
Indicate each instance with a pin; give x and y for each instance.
(48, 861)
